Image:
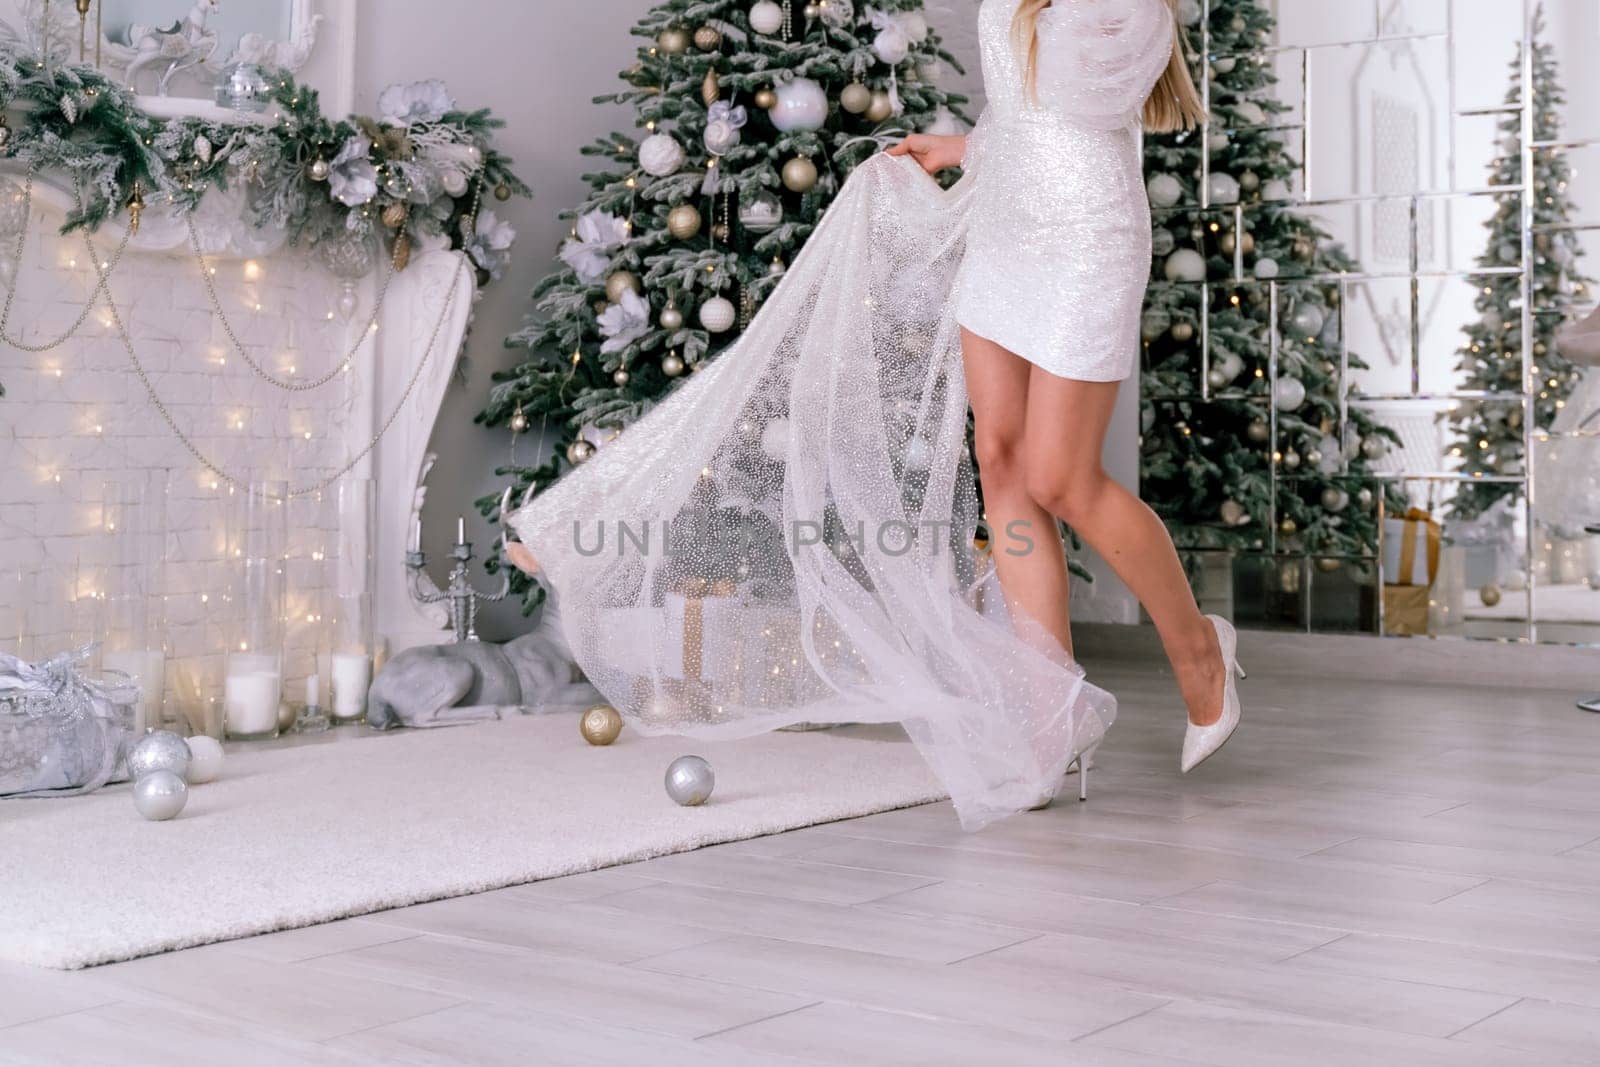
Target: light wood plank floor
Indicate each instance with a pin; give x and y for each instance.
(1367, 873)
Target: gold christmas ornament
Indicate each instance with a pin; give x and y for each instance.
(1229, 243)
(1303, 249)
(672, 365)
(1327, 565)
(1182, 331)
(711, 88)
(135, 208)
(600, 724)
(394, 216)
(1287, 527)
(502, 191)
(880, 108)
(1490, 595)
(620, 282)
(856, 98)
(721, 232)
(671, 317)
(799, 175)
(1259, 431)
(621, 376)
(674, 40)
(706, 38)
(766, 99)
(683, 221)
(579, 451)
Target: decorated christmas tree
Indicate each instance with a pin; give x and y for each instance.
(749, 115)
(1488, 438)
(1237, 454)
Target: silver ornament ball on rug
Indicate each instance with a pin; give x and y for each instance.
(161, 750)
(205, 759)
(689, 781)
(160, 795)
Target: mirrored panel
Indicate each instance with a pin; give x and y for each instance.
(1359, 405)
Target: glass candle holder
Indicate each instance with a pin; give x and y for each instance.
(351, 654)
(253, 680)
(133, 527)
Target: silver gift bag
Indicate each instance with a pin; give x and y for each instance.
(61, 733)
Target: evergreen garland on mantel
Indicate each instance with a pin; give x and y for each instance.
(408, 176)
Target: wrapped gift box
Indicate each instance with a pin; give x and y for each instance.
(1405, 610)
(1411, 549)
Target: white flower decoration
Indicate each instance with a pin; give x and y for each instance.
(589, 254)
(414, 102)
(352, 179)
(491, 242)
(624, 322)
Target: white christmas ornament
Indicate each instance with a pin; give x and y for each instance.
(1288, 394)
(1266, 268)
(914, 25)
(1186, 265)
(1224, 189)
(1250, 113)
(766, 17)
(1165, 190)
(1276, 189)
(723, 123)
(893, 43)
(660, 155)
(802, 105)
(205, 759)
(717, 315)
(1188, 12)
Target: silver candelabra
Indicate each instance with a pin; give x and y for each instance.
(462, 596)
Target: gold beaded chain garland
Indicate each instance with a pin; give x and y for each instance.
(468, 220)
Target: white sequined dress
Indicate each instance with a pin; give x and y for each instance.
(788, 537)
(1058, 247)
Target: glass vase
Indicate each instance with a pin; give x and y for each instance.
(355, 575)
(133, 526)
(253, 679)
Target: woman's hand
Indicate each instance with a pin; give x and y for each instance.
(931, 152)
(518, 554)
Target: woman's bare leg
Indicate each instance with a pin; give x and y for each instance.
(1034, 577)
(1066, 427)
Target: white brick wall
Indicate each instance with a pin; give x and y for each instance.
(77, 417)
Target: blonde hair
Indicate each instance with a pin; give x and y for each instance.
(1174, 103)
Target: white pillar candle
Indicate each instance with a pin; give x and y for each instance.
(148, 668)
(311, 691)
(250, 701)
(352, 675)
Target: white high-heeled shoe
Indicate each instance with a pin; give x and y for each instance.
(1202, 742)
(1083, 762)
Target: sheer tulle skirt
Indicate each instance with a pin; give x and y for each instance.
(788, 537)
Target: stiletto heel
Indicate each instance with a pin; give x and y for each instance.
(1202, 742)
(1084, 760)
(1239, 671)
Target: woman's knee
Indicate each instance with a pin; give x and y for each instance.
(1000, 462)
(1066, 490)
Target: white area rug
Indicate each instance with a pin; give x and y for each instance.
(295, 836)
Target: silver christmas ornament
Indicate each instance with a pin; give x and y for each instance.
(762, 213)
(318, 170)
(1186, 265)
(1364, 498)
(1335, 499)
(1164, 190)
(1259, 431)
(856, 98)
(1233, 513)
(160, 795)
(621, 376)
(689, 781)
(1291, 460)
(671, 318)
(1374, 447)
(162, 750)
(1288, 394)
(578, 452)
(672, 365)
